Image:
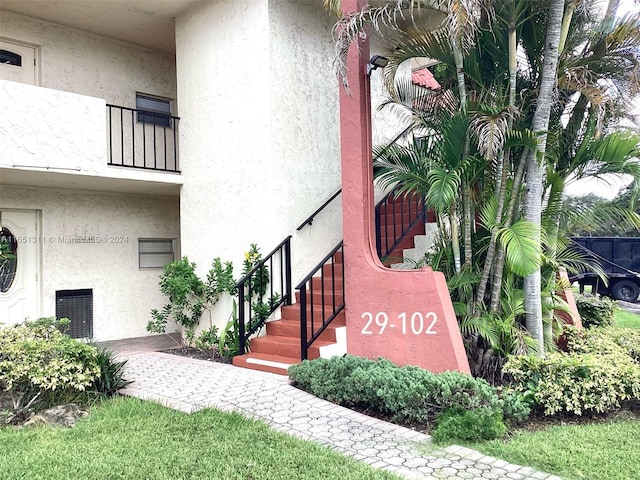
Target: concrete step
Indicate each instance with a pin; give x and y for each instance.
(265, 362)
(291, 328)
(292, 312)
(329, 298)
(285, 346)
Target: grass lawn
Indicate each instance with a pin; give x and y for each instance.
(602, 451)
(125, 438)
(626, 319)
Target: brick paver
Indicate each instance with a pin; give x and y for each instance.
(190, 385)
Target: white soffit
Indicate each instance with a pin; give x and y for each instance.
(149, 23)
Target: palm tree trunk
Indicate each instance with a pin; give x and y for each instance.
(468, 223)
(501, 187)
(455, 240)
(496, 287)
(533, 193)
(566, 23)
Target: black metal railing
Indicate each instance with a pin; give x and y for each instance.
(258, 299)
(142, 139)
(395, 217)
(310, 218)
(321, 296)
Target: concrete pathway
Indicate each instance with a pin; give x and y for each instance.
(190, 385)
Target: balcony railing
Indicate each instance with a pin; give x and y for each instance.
(142, 139)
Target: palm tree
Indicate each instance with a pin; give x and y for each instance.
(533, 193)
(495, 136)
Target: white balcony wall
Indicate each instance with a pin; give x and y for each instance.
(46, 132)
(51, 129)
(75, 61)
(123, 294)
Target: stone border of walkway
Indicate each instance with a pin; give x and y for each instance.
(190, 385)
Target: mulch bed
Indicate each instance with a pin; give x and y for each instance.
(197, 354)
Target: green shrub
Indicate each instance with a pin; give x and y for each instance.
(407, 394)
(516, 407)
(597, 339)
(468, 425)
(208, 340)
(41, 367)
(576, 383)
(111, 378)
(596, 311)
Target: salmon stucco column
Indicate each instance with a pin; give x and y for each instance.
(405, 316)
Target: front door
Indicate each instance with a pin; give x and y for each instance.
(19, 291)
(17, 62)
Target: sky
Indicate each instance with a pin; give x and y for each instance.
(610, 187)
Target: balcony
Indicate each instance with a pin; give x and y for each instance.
(142, 139)
(61, 139)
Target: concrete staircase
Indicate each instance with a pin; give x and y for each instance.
(280, 347)
(400, 213)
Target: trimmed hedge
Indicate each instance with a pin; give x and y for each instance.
(408, 395)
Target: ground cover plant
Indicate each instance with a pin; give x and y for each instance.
(130, 438)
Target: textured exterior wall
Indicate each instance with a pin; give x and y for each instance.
(305, 133)
(50, 128)
(259, 134)
(123, 295)
(74, 61)
(223, 88)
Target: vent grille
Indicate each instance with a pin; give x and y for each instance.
(77, 306)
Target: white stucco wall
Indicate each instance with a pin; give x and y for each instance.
(259, 130)
(222, 55)
(305, 127)
(123, 294)
(75, 61)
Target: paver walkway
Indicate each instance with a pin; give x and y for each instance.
(189, 385)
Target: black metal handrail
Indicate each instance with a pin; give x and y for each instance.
(142, 139)
(250, 320)
(309, 219)
(408, 208)
(335, 282)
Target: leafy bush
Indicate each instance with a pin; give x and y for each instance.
(468, 425)
(40, 366)
(189, 296)
(208, 341)
(406, 394)
(578, 382)
(596, 311)
(595, 340)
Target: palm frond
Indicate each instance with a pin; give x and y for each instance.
(522, 252)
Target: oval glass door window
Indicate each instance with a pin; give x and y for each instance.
(8, 259)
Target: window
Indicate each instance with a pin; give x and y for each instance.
(8, 259)
(155, 252)
(153, 110)
(10, 58)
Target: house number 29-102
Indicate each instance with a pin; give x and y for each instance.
(417, 324)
